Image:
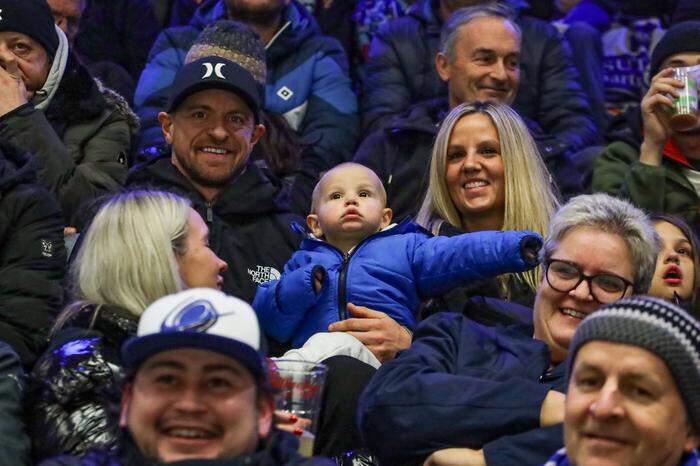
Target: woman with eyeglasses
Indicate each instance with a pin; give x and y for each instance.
(465, 393)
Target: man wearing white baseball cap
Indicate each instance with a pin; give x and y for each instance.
(197, 388)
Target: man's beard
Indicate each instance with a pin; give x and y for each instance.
(262, 15)
(200, 178)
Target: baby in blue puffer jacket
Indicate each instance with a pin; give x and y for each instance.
(356, 256)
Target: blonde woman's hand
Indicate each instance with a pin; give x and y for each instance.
(284, 420)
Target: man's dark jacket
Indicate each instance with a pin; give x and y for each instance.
(32, 255)
(462, 384)
(249, 223)
(401, 72)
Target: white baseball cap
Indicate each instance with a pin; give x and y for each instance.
(202, 318)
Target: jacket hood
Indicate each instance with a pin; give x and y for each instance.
(298, 26)
(297, 22)
(81, 98)
(16, 166)
(78, 97)
(252, 192)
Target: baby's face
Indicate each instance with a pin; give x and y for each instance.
(350, 207)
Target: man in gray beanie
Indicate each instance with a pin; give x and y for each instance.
(647, 161)
(633, 398)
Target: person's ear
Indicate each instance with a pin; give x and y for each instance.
(442, 65)
(387, 216)
(314, 225)
(166, 125)
(692, 440)
(124, 407)
(266, 410)
(257, 133)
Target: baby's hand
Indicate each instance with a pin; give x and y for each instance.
(319, 274)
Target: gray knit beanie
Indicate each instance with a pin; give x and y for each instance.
(656, 326)
(233, 41)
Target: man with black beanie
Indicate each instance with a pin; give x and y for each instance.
(647, 161)
(50, 106)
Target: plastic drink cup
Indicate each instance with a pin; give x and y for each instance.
(299, 387)
(686, 104)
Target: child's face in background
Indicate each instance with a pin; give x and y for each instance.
(351, 205)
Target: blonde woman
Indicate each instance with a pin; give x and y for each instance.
(486, 174)
(141, 245)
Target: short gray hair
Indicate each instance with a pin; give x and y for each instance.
(614, 216)
(450, 30)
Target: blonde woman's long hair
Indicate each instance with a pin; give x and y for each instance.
(530, 197)
(128, 257)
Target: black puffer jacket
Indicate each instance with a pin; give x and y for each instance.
(32, 255)
(401, 72)
(249, 223)
(75, 386)
(279, 449)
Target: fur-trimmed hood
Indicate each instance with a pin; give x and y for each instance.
(81, 98)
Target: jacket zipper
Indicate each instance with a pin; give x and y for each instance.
(342, 295)
(210, 212)
(342, 279)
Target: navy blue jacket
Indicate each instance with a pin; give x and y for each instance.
(307, 81)
(401, 72)
(462, 384)
(391, 271)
